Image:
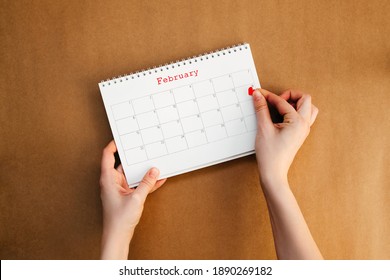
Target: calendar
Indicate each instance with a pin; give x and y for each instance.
(184, 115)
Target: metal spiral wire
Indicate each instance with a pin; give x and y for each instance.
(173, 64)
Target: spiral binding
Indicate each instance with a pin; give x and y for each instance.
(173, 64)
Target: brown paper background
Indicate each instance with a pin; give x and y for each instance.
(54, 127)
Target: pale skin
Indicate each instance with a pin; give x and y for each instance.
(276, 147)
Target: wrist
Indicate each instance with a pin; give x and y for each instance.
(115, 243)
(268, 178)
(272, 181)
(118, 230)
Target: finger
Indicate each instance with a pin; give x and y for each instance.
(120, 168)
(127, 190)
(147, 183)
(314, 113)
(261, 109)
(279, 103)
(265, 92)
(108, 159)
(159, 183)
(304, 107)
(291, 95)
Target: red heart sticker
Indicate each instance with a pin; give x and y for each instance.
(250, 90)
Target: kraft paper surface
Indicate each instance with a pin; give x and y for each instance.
(54, 126)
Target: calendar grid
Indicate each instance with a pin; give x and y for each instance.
(242, 119)
(219, 110)
(178, 119)
(203, 130)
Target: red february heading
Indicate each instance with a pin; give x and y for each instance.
(168, 79)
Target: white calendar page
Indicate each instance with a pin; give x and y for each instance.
(183, 116)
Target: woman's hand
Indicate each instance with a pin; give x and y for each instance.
(122, 206)
(276, 147)
(278, 143)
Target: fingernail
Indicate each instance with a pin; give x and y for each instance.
(250, 90)
(154, 172)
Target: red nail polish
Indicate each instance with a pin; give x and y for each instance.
(250, 90)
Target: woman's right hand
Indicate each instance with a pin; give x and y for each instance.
(278, 143)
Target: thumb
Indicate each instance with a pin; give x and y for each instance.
(261, 108)
(147, 183)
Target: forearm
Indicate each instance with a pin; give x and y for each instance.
(115, 244)
(292, 236)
